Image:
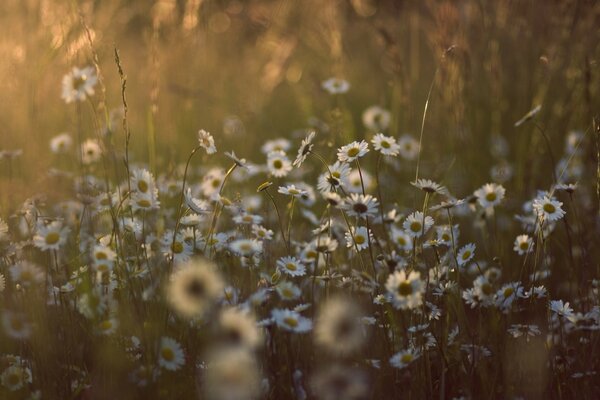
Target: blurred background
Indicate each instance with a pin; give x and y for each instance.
(251, 70)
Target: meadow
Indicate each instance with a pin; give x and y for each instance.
(276, 199)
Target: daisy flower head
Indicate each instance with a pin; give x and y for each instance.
(304, 149)
(233, 373)
(287, 291)
(240, 162)
(402, 239)
(279, 144)
(337, 381)
(78, 84)
(291, 321)
(90, 151)
(561, 308)
(238, 328)
(206, 141)
(429, 186)
(548, 209)
(508, 294)
(465, 254)
(51, 236)
(278, 164)
(490, 195)
(523, 244)
(60, 144)
(352, 151)
(360, 205)
(194, 287)
(386, 145)
(246, 247)
(409, 147)
(358, 238)
(292, 190)
(416, 224)
(336, 176)
(338, 328)
(27, 274)
(376, 118)
(404, 358)
(405, 290)
(170, 355)
(15, 377)
(336, 86)
(143, 181)
(291, 266)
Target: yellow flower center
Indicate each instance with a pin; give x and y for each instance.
(142, 186)
(405, 288)
(490, 196)
(293, 322)
(167, 353)
(415, 226)
(353, 152)
(291, 266)
(549, 208)
(52, 238)
(406, 358)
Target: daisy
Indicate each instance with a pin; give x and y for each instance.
(430, 186)
(465, 254)
(107, 326)
(338, 381)
(548, 209)
(338, 328)
(246, 247)
(560, 308)
(238, 328)
(567, 187)
(445, 234)
(232, 373)
(144, 201)
(355, 183)
(406, 291)
(278, 164)
(78, 84)
(60, 144)
(360, 205)
(484, 291)
(336, 176)
(143, 181)
(416, 225)
(90, 151)
(518, 330)
(194, 287)
(358, 238)
(51, 236)
(335, 86)
(103, 258)
(376, 118)
(206, 141)
(279, 144)
(291, 190)
(16, 325)
(170, 354)
(211, 182)
(490, 195)
(16, 377)
(523, 244)
(262, 233)
(352, 151)
(291, 321)
(333, 199)
(386, 145)
(291, 266)
(409, 147)
(508, 294)
(240, 162)
(404, 358)
(305, 148)
(402, 239)
(288, 291)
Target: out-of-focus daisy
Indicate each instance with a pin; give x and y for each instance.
(518, 330)
(170, 354)
(16, 325)
(386, 145)
(291, 190)
(359, 205)
(278, 164)
(465, 254)
(291, 320)
(447, 234)
(211, 182)
(279, 144)
(51, 236)
(240, 162)
(194, 287)
(288, 291)
(548, 208)
(415, 225)
(404, 358)
(338, 328)
(358, 238)
(107, 326)
(79, 84)
(27, 274)
(429, 186)
(238, 328)
(60, 144)
(352, 151)
(405, 290)
(402, 239)
(304, 149)
(15, 377)
(246, 247)
(90, 151)
(206, 141)
(103, 258)
(567, 187)
(355, 183)
(490, 195)
(523, 244)
(409, 147)
(336, 86)
(376, 118)
(561, 308)
(340, 382)
(508, 294)
(233, 374)
(291, 266)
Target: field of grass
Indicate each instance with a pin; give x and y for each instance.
(317, 199)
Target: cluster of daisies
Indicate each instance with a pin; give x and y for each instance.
(296, 275)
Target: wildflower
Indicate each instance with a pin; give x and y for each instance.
(448, 204)
(416, 225)
(518, 330)
(405, 290)
(240, 162)
(291, 266)
(360, 205)
(90, 151)
(356, 181)
(291, 190)
(340, 382)
(567, 187)
(336, 176)
(194, 287)
(386, 145)
(523, 244)
(336, 86)
(27, 274)
(212, 181)
(107, 326)
(246, 247)
(484, 290)
(548, 209)
(402, 239)
(409, 147)
(466, 253)
(404, 358)
(60, 144)
(291, 321)
(490, 195)
(170, 354)
(446, 234)
(279, 144)
(278, 164)
(232, 374)
(305, 148)
(508, 294)
(176, 247)
(16, 325)
(78, 84)
(262, 233)
(206, 141)
(103, 258)
(51, 236)
(429, 186)
(15, 377)
(358, 238)
(475, 352)
(560, 308)
(288, 291)
(239, 328)
(143, 182)
(333, 199)
(376, 118)
(338, 328)
(352, 151)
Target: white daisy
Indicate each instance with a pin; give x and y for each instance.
(336, 86)
(305, 148)
(278, 164)
(548, 208)
(523, 244)
(415, 225)
(405, 290)
(490, 195)
(465, 254)
(51, 236)
(246, 247)
(292, 190)
(279, 144)
(291, 266)
(338, 328)
(90, 151)
(386, 145)
(288, 291)
(359, 238)
(206, 141)
(430, 186)
(402, 239)
(352, 151)
(170, 354)
(409, 147)
(404, 358)
(79, 84)
(376, 118)
(360, 205)
(60, 144)
(291, 321)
